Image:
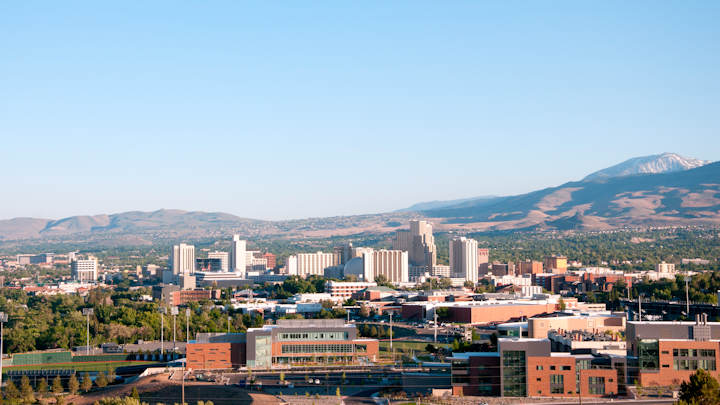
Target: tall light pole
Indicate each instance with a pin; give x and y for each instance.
(174, 312)
(435, 317)
(3, 319)
(87, 312)
(229, 318)
(187, 340)
(392, 354)
(162, 311)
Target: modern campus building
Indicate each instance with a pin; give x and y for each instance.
(463, 259)
(527, 367)
(182, 259)
(667, 353)
(313, 341)
(84, 270)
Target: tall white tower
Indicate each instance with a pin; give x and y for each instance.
(463, 259)
(183, 259)
(237, 255)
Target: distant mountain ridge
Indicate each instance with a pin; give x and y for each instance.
(689, 197)
(620, 196)
(653, 164)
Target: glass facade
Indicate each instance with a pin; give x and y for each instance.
(596, 385)
(318, 348)
(648, 355)
(557, 384)
(313, 336)
(514, 373)
(263, 352)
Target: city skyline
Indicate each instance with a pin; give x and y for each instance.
(131, 103)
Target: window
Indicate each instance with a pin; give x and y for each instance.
(514, 373)
(649, 354)
(557, 384)
(596, 385)
(552, 367)
(539, 368)
(566, 368)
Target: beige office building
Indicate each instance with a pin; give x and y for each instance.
(419, 242)
(305, 264)
(393, 264)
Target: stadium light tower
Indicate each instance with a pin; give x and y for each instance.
(87, 312)
(3, 319)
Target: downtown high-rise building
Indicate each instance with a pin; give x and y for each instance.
(224, 258)
(391, 264)
(238, 256)
(419, 242)
(182, 259)
(463, 259)
(84, 270)
(306, 264)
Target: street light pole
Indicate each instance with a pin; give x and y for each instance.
(229, 318)
(87, 312)
(3, 319)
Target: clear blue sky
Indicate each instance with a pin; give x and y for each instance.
(294, 109)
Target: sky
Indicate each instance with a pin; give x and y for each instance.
(288, 109)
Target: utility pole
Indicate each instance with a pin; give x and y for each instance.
(174, 312)
(3, 319)
(640, 307)
(162, 311)
(87, 312)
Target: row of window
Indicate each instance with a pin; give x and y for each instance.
(693, 364)
(566, 368)
(314, 336)
(329, 348)
(694, 352)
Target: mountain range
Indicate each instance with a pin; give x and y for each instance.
(656, 190)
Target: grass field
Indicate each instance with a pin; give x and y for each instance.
(91, 366)
(407, 346)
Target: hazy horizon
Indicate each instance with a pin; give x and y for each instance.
(282, 111)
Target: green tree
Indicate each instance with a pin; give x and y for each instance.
(57, 387)
(73, 385)
(701, 389)
(26, 390)
(101, 380)
(135, 394)
(42, 387)
(11, 391)
(561, 304)
(87, 383)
